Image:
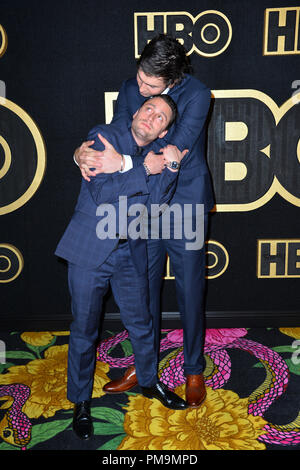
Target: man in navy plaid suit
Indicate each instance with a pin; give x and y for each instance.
(95, 261)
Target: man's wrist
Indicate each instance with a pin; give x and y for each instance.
(74, 158)
(122, 163)
(128, 165)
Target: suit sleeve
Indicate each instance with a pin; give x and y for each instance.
(122, 111)
(162, 187)
(106, 188)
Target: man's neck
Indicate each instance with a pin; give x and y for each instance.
(138, 140)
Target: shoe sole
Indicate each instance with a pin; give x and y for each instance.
(83, 438)
(113, 392)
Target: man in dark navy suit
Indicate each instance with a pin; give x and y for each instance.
(98, 257)
(163, 68)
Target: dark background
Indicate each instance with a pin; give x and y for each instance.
(61, 58)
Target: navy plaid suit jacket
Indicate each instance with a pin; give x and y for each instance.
(80, 244)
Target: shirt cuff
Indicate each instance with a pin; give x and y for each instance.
(128, 165)
(75, 160)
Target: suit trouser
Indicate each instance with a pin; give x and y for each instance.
(130, 289)
(189, 270)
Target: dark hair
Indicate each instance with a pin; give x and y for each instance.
(168, 100)
(164, 57)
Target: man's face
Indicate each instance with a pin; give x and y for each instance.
(150, 85)
(151, 120)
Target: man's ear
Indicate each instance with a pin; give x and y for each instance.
(135, 114)
(163, 133)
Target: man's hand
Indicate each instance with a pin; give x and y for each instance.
(110, 159)
(155, 163)
(106, 161)
(172, 154)
(87, 158)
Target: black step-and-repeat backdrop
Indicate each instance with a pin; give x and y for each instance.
(61, 66)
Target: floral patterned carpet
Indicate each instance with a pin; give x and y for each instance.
(253, 400)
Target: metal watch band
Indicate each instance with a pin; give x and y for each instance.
(148, 172)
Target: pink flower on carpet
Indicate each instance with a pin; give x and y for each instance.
(220, 336)
(224, 336)
(175, 336)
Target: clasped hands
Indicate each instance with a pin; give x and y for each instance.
(109, 160)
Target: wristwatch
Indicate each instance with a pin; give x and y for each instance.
(173, 165)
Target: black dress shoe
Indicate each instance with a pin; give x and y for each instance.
(82, 420)
(167, 398)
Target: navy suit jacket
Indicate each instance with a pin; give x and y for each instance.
(193, 100)
(80, 243)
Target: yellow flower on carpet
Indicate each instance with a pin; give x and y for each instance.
(293, 332)
(41, 338)
(221, 423)
(47, 379)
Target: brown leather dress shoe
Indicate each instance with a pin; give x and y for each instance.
(124, 384)
(195, 392)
